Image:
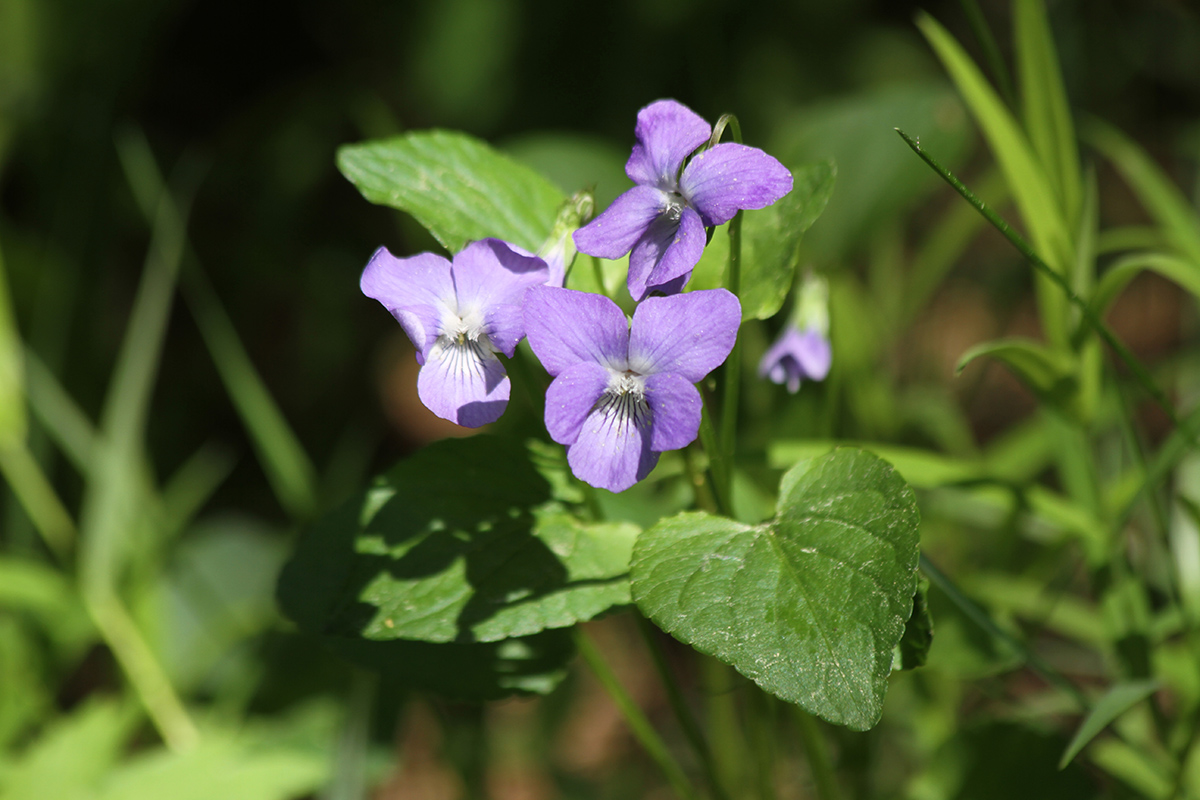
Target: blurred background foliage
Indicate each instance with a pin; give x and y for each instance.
(242, 106)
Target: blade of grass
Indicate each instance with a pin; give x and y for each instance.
(1093, 320)
(1116, 701)
(62, 419)
(1044, 104)
(1165, 202)
(284, 460)
(20, 469)
(114, 500)
(991, 51)
(1026, 176)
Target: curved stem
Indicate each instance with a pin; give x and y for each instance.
(818, 756)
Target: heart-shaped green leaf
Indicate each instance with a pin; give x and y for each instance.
(811, 605)
(457, 186)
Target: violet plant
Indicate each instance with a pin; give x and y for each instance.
(498, 545)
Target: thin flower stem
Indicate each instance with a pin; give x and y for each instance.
(717, 465)
(760, 712)
(683, 714)
(642, 730)
(1089, 314)
(818, 755)
(733, 365)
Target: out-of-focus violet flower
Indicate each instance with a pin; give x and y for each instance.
(661, 221)
(459, 315)
(802, 352)
(624, 393)
(796, 355)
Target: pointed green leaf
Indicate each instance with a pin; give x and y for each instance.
(460, 543)
(1162, 198)
(1125, 269)
(1116, 701)
(1049, 373)
(810, 605)
(1044, 100)
(1025, 175)
(457, 186)
(770, 241)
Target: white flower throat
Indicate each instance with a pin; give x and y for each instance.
(624, 400)
(463, 341)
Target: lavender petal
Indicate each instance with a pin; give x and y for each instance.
(612, 450)
(463, 383)
(689, 334)
(814, 355)
(617, 229)
(680, 256)
(566, 327)
(729, 177)
(667, 133)
(674, 411)
(418, 291)
(491, 271)
(571, 397)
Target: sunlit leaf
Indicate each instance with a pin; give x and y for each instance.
(458, 187)
(810, 605)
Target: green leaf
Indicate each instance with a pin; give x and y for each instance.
(223, 765)
(771, 238)
(914, 645)
(1163, 199)
(1125, 269)
(1044, 99)
(1049, 373)
(811, 605)
(71, 756)
(458, 187)
(457, 544)
(1026, 176)
(1116, 701)
(770, 241)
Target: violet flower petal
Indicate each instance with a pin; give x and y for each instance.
(681, 255)
(612, 450)
(667, 133)
(675, 407)
(730, 177)
(566, 327)
(504, 325)
(618, 228)
(689, 334)
(571, 397)
(490, 272)
(418, 291)
(814, 355)
(464, 385)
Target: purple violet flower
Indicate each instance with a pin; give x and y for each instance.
(661, 221)
(796, 355)
(459, 315)
(623, 393)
